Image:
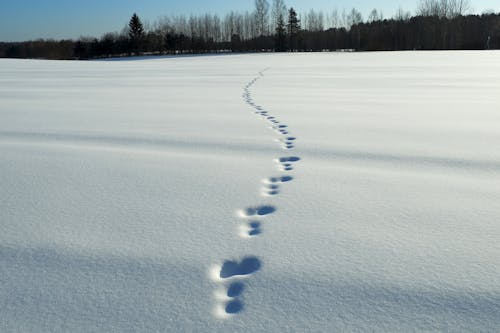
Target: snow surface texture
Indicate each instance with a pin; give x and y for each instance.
(145, 196)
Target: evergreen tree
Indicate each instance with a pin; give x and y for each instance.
(280, 34)
(293, 29)
(136, 33)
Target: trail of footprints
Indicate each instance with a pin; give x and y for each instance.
(231, 275)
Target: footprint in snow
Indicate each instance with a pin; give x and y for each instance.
(233, 307)
(257, 211)
(235, 289)
(278, 127)
(288, 143)
(251, 229)
(245, 267)
(283, 179)
(270, 189)
(272, 185)
(230, 302)
(286, 163)
(289, 159)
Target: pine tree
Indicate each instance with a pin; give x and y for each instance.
(280, 34)
(136, 33)
(293, 29)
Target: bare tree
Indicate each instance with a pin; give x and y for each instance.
(314, 21)
(343, 20)
(375, 16)
(332, 19)
(261, 17)
(354, 17)
(402, 15)
(249, 26)
(428, 8)
(228, 26)
(278, 10)
(459, 7)
(443, 8)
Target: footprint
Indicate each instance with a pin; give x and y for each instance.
(235, 289)
(234, 306)
(279, 127)
(283, 179)
(258, 211)
(255, 229)
(271, 185)
(286, 163)
(229, 299)
(270, 189)
(289, 159)
(245, 267)
(230, 302)
(251, 229)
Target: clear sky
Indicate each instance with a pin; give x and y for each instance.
(31, 19)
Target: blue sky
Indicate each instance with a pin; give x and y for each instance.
(31, 19)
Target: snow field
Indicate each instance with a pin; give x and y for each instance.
(283, 192)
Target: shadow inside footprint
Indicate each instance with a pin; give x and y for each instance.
(265, 210)
(289, 159)
(235, 289)
(247, 266)
(234, 306)
(254, 229)
(283, 179)
(260, 211)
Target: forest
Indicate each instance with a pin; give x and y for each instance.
(273, 27)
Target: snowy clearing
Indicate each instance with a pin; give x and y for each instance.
(258, 193)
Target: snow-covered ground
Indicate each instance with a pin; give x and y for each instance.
(155, 196)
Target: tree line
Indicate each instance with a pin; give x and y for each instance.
(436, 25)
